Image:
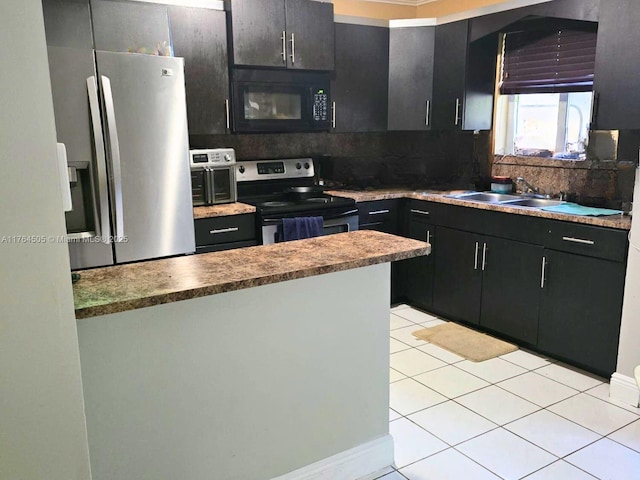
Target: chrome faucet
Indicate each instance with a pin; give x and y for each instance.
(531, 188)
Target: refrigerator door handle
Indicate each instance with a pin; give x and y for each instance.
(114, 158)
(103, 229)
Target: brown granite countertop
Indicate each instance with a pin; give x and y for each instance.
(621, 222)
(222, 210)
(120, 288)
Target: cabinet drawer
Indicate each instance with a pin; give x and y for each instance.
(231, 228)
(425, 212)
(383, 213)
(588, 240)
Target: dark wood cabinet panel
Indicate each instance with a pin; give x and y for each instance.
(257, 29)
(360, 82)
(449, 72)
(511, 281)
(411, 53)
(617, 66)
(311, 24)
(419, 271)
(200, 37)
(457, 276)
(580, 312)
(130, 26)
(294, 34)
(223, 233)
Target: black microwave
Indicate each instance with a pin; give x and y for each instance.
(280, 101)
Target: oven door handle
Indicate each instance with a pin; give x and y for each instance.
(334, 217)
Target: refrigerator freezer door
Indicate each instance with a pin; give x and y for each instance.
(145, 122)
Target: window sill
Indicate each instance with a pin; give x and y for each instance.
(518, 160)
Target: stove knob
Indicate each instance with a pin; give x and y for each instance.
(298, 166)
(227, 157)
(306, 165)
(241, 169)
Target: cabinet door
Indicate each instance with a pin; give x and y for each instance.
(458, 275)
(130, 26)
(200, 36)
(310, 35)
(257, 29)
(419, 271)
(617, 67)
(361, 78)
(410, 78)
(511, 282)
(580, 310)
(449, 72)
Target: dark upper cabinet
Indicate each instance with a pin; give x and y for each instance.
(200, 36)
(617, 97)
(282, 33)
(581, 308)
(463, 79)
(449, 72)
(410, 78)
(130, 27)
(360, 82)
(310, 35)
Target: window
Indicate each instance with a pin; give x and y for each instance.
(545, 84)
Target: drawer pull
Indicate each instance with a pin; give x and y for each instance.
(224, 230)
(578, 240)
(379, 212)
(420, 212)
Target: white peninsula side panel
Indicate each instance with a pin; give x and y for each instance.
(250, 384)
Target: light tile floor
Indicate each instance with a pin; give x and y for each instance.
(517, 416)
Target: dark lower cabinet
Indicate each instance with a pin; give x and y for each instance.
(511, 283)
(580, 311)
(420, 270)
(225, 233)
(200, 36)
(457, 279)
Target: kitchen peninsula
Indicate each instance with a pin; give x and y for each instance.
(250, 363)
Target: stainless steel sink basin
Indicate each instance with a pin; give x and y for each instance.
(485, 197)
(533, 202)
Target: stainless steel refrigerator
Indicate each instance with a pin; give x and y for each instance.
(125, 128)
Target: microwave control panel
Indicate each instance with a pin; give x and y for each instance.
(320, 105)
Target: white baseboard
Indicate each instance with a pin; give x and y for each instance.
(624, 389)
(351, 464)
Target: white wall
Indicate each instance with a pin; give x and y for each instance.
(623, 386)
(244, 385)
(42, 423)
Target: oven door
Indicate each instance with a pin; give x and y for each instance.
(199, 187)
(345, 221)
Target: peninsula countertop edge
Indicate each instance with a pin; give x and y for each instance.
(119, 288)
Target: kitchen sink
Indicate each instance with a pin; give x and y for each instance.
(533, 202)
(485, 197)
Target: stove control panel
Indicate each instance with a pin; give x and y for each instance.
(274, 169)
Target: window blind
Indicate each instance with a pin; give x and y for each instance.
(548, 60)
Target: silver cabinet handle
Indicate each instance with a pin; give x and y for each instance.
(457, 111)
(427, 113)
(419, 212)
(333, 114)
(484, 256)
(578, 240)
(293, 49)
(543, 273)
(283, 38)
(114, 157)
(224, 230)
(378, 212)
(475, 261)
(226, 113)
(102, 227)
(428, 236)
